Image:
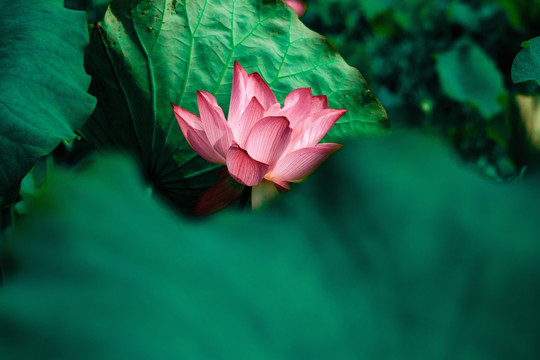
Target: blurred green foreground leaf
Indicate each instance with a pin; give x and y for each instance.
(404, 256)
(100, 271)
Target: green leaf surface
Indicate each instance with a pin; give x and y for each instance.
(352, 264)
(43, 95)
(468, 75)
(526, 65)
(146, 54)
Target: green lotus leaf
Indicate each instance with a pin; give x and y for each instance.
(44, 96)
(526, 65)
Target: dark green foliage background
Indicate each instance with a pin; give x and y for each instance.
(400, 47)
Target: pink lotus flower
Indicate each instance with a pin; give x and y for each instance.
(298, 5)
(262, 144)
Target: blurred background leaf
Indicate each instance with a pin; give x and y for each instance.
(526, 65)
(44, 96)
(146, 54)
(468, 75)
(406, 255)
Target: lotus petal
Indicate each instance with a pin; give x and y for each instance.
(256, 86)
(297, 106)
(297, 165)
(239, 99)
(298, 6)
(195, 136)
(213, 120)
(319, 102)
(243, 168)
(218, 197)
(190, 118)
(268, 139)
(251, 115)
(314, 128)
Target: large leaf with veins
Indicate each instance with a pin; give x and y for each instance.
(146, 54)
(43, 98)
